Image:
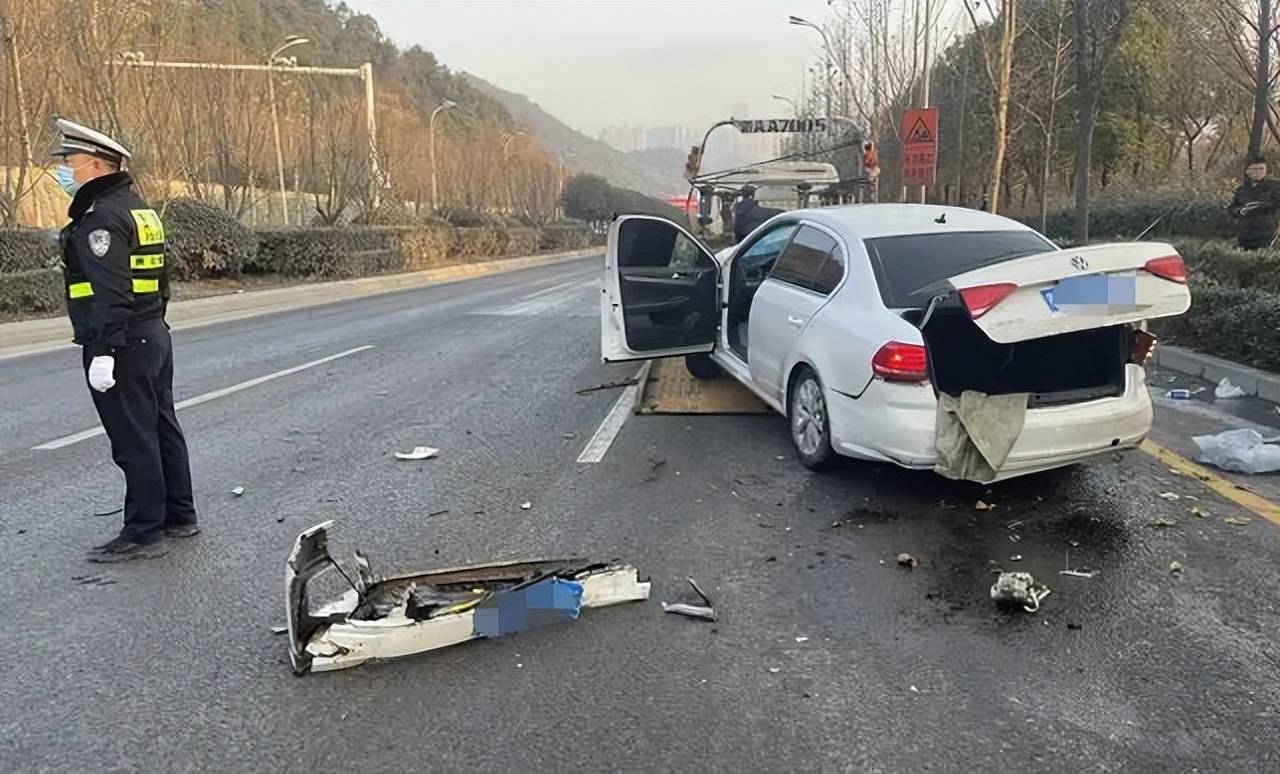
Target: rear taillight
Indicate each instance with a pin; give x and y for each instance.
(898, 362)
(981, 299)
(1170, 267)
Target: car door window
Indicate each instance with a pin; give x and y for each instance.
(831, 273)
(802, 260)
(754, 264)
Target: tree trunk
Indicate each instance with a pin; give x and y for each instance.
(1008, 32)
(1084, 157)
(15, 74)
(1262, 79)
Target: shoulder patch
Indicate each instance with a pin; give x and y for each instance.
(100, 242)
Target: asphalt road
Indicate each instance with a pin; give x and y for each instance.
(171, 665)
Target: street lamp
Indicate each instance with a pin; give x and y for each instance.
(506, 146)
(289, 42)
(783, 98)
(830, 51)
(435, 186)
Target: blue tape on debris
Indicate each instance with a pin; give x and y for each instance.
(548, 601)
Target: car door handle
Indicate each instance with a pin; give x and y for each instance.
(796, 321)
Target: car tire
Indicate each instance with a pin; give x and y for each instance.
(809, 421)
(701, 366)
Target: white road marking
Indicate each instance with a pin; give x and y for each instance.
(624, 407)
(205, 398)
(566, 300)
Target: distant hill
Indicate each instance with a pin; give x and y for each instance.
(649, 172)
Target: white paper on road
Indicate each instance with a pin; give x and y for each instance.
(418, 453)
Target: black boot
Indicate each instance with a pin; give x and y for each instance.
(123, 550)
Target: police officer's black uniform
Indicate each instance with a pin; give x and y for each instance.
(117, 290)
(1256, 207)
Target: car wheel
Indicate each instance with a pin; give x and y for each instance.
(701, 366)
(810, 424)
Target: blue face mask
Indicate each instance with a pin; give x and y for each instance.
(66, 178)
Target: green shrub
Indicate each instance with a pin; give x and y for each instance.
(38, 290)
(474, 243)
(1223, 263)
(387, 214)
(560, 238)
(1234, 323)
(465, 218)
(1202, 217)
(203, 241)
(28, 250)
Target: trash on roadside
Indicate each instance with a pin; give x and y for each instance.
(982, 506)
(1019, 588)
(1077, 574)
(1199, 512)
(418, 453)
(1239, 451)
(1226, 389)
(1236, 521)
(1161, 521)
(1170, 496)
(774, 670)
(386, 616)
(908, 561)
(609, 386)
(802, 639)
(280, 629)
(1016, 558)
(1179, 394)
(704, 612)
(1175, 567)
(238, 491)
(526, 506)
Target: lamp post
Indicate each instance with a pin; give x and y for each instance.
(289, 42)
(435, 185)
(783, 98)
(830, 52)
(506, 147)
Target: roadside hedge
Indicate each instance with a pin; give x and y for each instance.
(1231, 322)
(28, 250)
(204, 241)
(38, 290)
(1225, 264)
(1205, 217)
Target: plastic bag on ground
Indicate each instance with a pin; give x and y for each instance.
(1226, 389)
(1239, 451)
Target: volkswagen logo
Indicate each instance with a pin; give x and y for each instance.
(1079, 263)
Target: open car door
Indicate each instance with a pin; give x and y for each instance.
(1074, 290)
(661, 292)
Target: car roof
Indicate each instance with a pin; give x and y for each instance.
(870, 221)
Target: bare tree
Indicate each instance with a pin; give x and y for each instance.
(999, 72)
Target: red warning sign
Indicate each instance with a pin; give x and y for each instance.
(919, 146)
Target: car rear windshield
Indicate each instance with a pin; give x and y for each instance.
(906, 266)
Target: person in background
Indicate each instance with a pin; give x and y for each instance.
(117, 290)
(748, 215)
(1256, 207)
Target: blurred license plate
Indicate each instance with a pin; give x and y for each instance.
(1093, 294)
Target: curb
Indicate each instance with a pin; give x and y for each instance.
(29, 337)
(1255, 382)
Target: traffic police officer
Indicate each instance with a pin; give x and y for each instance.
(117, 292)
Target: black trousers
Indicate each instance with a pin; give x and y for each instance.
(146, 441)
(1254, 241)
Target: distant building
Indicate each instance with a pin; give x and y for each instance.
(668, 137)
(625, 138)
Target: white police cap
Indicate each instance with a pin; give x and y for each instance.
(76, 138)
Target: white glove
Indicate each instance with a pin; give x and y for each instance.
(102, 371)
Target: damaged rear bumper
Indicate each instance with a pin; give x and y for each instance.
(387, 617)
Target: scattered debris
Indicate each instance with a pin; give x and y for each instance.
(526, 506)
(420, 611)
(1013, 525)
(780, 458)
(1236, 521)
(1239, 451)
(437, 513)
(1015, 538)
(1170, 496)
(112, 512)
(1199, 512)
(1016, 558)
(280, 519)
(915, 689)
(280, 629)
(1077, 574)
(705, 611)
(418, 453)
(609, 386)
(908, 561)
(93, 580)
(983, 506)
(774, 670)
(802, 639)
(1161, 521)
(1175, 567)
(1074, 626)
(22, 532)
(1226, 389)
(656, 464)
(1179, 394)
(1019, 588)
(771, 558)
(238, 491)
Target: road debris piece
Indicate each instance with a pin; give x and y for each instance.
(1226, 389)
(704, 612)
(526, 506)
(1019, 588)
(111, 512)
(983, 506)
(418, 453)
(381, 617)
(1170, 496)
(802, 639)
(774, 670)
(1236, 521)
(238, 491)
(1016, 558)
(609, 386)
(1175, 567)
(1077, 574)
(1161, 521)
(908, 561)
(279, 629)
(1239, 451)
(1199, 512)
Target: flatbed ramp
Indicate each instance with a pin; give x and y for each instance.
(671, 389)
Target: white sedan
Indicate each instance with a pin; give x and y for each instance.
(930, 337)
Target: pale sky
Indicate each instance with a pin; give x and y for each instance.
(595, 63)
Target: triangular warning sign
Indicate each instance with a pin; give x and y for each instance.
(919, 134)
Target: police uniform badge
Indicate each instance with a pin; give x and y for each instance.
(100, 242)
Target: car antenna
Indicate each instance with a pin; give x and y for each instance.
(941, 219)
